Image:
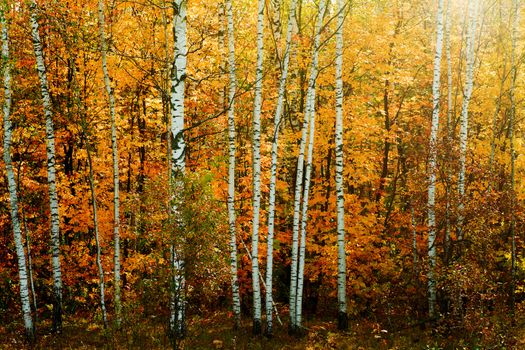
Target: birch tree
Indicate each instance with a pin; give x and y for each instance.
(11, 183)
(257, 170)
(296, 220)
(309, 122)
(432, 164)
(273, 167)
(467, 94)
(178, 163)
(342, 318)
(51, 171)
(115, 157)
(30, 265)
(231, 166)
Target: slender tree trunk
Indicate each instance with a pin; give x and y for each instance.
(114, 149)
(449, 70)
(512, 120)
(231, 167)
(297, 198)
(432, 165)
(30, 267)
(503, 80)
(51, 172)
(83, 124)
(494, 127)
(275, 22)
(309, 114)
(13, 196)
(178, 164)
(171, 169)
(296, 221)
(467, 93)
(222, 67)
(27, 244)
(273, 166)
(342, 318)
(257, 170)
(386, 150)
(95, 225)
(415, 256)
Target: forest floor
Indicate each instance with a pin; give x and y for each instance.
(215, 332)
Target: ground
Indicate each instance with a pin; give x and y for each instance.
(215, 332)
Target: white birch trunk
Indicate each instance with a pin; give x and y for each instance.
(257, 170)
(296, 221)
(11, 183)
(304, 210)
(178, 164)
(51, 171)
(309, 114)
(95, 225)
(467, 94)
(30, 266)
(231, 166)
(432, 164)
(114, 149)
(273, 166)
(297, 214)
(342, 319)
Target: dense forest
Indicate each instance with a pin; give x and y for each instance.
(317, 174)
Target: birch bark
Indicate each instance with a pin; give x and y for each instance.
(115, 157)
(342, 319)
(11, 183)
(273, 166)
(296, 220)
(30, 266)
(467, 94)
(310, 116)
(231, 166)
(257, 170)
(432, 164)
(178, 152)
(51, 171)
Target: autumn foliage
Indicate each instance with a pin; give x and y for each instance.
(387, 77)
